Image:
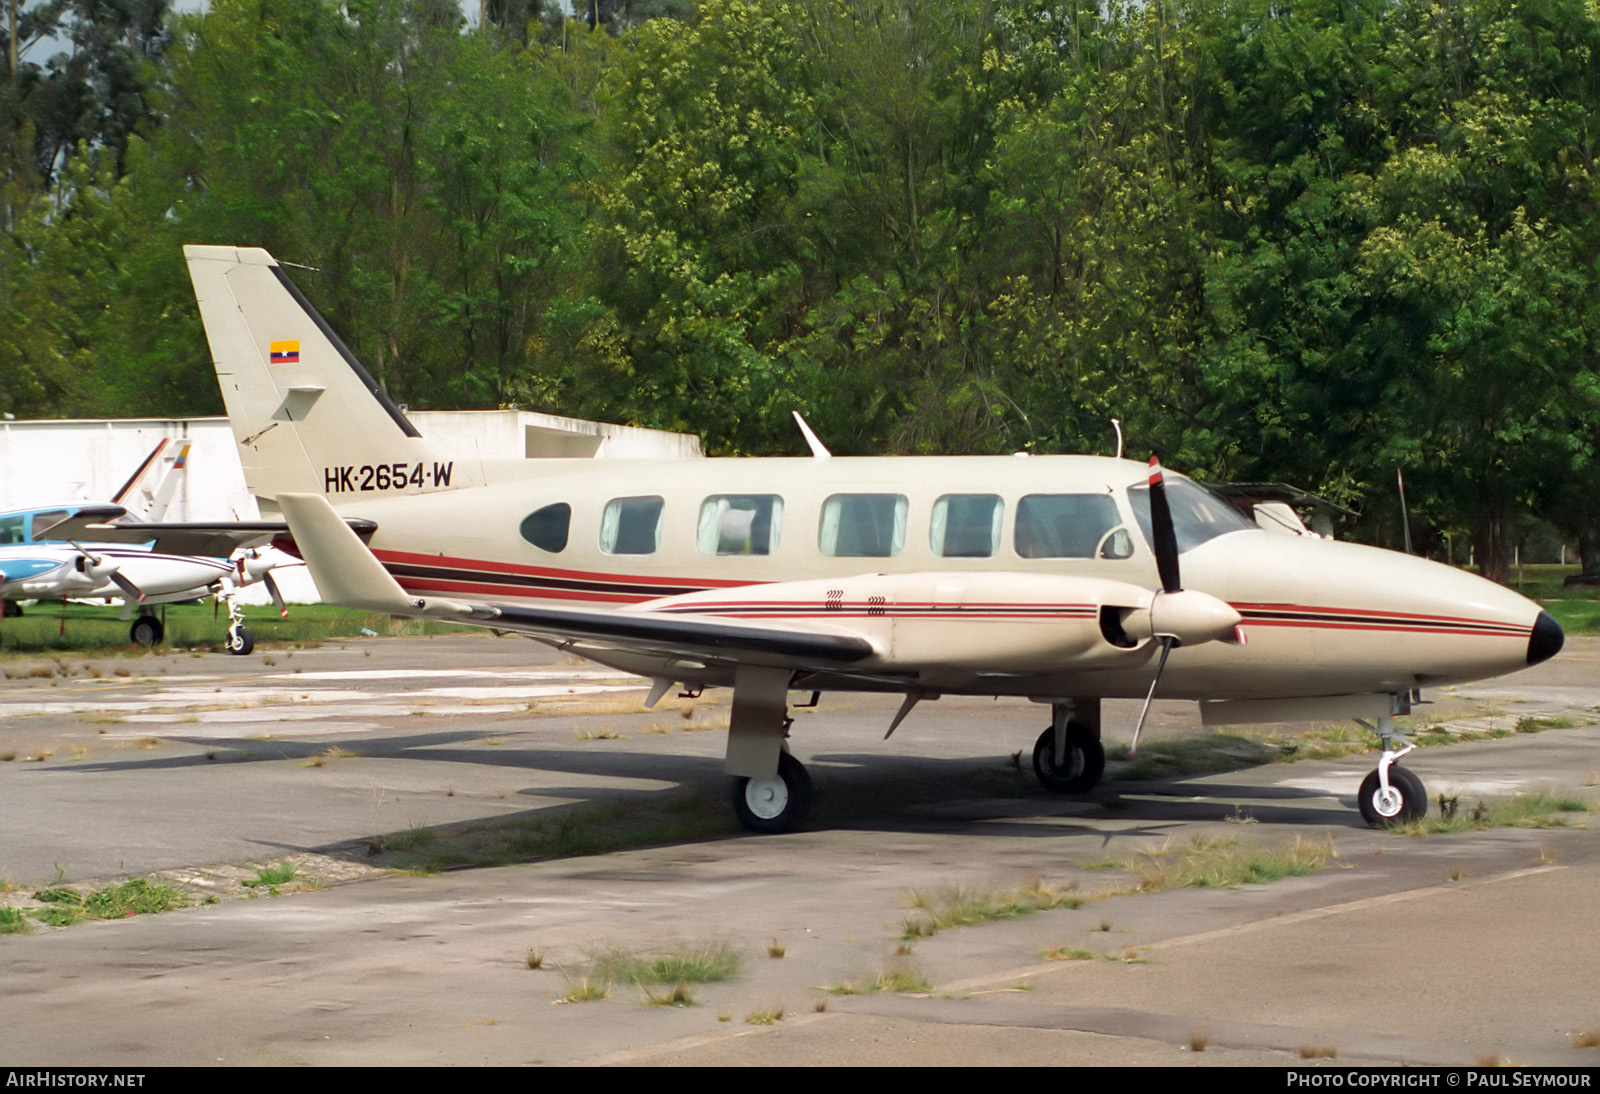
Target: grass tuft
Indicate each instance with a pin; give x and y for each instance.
(271, 876)
(697, 964)
(941, 909)
(12, 922)
(584, 990)
(771, 1016)
(894, 978)
(678, 995)
(1522, 811)
(327, 756)
(136, 897)
(1206, 862)
(1317, 1052)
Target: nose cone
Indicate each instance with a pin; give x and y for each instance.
(1546, 639)
(1354, 619)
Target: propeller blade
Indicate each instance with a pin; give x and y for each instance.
(1166, 540)
(277, 597)
(1166, 648)
(126, 586)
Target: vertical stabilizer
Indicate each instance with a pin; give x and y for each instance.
(307, 417)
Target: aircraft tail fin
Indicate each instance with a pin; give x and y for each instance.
(125, 493)
(308, 418)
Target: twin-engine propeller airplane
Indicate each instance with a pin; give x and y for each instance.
(1061, 579)
(46, 555)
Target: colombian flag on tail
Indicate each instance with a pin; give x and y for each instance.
(285, 353)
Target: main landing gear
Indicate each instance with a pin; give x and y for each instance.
(147, 630)
(1068, 757)
(771, 790)
(777, 804)
(1391, 795)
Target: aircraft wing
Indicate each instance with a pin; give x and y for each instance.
(347, 573)
(200, 539)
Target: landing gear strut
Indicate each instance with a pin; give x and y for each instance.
(771, 790)
(1068, 757)
(240, 640)
(1391, 795)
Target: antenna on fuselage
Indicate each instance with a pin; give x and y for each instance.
(1405, 517)
(1116, 423)
(818, 449)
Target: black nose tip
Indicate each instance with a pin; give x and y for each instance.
(1546, 640)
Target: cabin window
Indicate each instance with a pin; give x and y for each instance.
(631, 526)
(863, 525)
(547, 528)
(740, 524)
(1071, 526)
(966, 525)
(11, 529)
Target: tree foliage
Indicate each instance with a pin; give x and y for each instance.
(1312, 242)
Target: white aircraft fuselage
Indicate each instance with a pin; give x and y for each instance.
(1320, 617)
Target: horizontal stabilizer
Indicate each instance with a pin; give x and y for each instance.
(344, 570)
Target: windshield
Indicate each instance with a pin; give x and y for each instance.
(1197, 514)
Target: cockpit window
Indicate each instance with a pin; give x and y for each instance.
(1070, 526)
(631, 526)
(1197, 515)
(547, 528)
(46, 519)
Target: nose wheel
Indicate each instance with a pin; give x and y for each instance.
(240, 640)
(778, 804)
(1401, 801)
(1391, 795)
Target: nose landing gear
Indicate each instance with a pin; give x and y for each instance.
(1391, 795)
(240, 640)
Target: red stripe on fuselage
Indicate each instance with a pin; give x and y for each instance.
(688, 584)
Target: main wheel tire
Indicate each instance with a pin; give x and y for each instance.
(1405, 801)
(12, 609)
(1085, 761)
(241, 641)
(146, 631)
(779, 804)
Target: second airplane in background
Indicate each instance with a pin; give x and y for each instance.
(47, 553)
